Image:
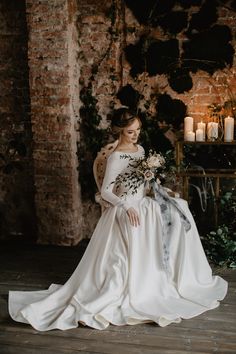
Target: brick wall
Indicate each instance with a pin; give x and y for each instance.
(16, 182)
(54, 76)
(95, 38)
(104, 32)
(217, 88)
(71, 43)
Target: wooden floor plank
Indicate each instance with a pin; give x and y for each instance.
(211, 332)
(107, 342)
(125, 332)
(81, 344)
(27, 350)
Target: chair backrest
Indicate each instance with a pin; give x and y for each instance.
(99, 165)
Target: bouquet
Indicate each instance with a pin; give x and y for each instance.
(149, 170)
(144, 170)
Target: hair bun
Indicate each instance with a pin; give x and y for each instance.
(121, 117)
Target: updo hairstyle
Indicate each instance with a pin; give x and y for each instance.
(121, 119)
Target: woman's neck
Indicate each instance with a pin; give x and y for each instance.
(127, 147)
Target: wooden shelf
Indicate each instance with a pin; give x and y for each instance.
(192, 173)
(207, 142)
(180, 147)
(215, 173)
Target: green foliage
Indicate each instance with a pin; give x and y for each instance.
(209, 156)
(227, 108)
(152, 136)
(227, 213)
(220, 244)
(92, 139)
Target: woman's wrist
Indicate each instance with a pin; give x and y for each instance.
(125, 205)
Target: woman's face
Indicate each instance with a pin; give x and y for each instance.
(131, 133)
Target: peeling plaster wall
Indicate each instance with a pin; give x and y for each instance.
(104, 33)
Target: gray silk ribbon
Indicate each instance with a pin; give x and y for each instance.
(163, 198)
(165, 202)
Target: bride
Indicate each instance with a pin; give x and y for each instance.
(137, 268)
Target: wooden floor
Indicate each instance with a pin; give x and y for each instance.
(31, 267)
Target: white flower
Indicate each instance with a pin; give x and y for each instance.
(144, 164)
(142, 171)
(148, 175)
(155, 161)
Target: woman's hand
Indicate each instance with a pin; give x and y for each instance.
(133, 217)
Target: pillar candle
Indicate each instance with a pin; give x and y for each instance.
(188, 126)
(229, 129)
(190, 136)
(212, 130)
(200, 135)
(215, 130)
(202, 126)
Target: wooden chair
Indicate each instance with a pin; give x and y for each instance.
(99, 168)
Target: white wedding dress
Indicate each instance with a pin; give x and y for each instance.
(121, 278)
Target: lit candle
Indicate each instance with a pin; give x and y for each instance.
(188, 126)
(202, 126)
(229, 129)
(212, 130)
(190, 136)
(200, 135)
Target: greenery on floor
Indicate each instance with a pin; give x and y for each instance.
(220, 243)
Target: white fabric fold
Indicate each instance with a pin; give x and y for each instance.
(120, 278)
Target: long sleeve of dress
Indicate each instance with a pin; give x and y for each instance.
(113, 168)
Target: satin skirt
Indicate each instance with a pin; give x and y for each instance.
(121, 279)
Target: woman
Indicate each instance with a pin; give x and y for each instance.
(136, 268)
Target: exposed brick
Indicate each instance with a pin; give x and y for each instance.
(53, 82)
(59, 67)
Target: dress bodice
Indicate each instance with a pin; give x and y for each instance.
(119, 163)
